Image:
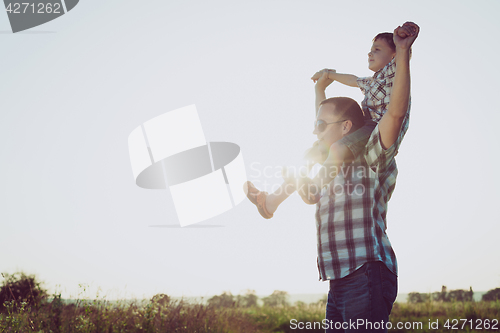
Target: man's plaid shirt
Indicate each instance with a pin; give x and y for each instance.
(351, 213)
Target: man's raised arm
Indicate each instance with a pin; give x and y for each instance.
(390, 124)
(319, 89)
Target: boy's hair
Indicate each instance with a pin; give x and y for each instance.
(388, 37)
(347, 108)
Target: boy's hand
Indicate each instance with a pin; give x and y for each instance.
(318, 75)
(405, 36)
(323, 81)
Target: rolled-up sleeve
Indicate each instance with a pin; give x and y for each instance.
(378, 157)
(364, 83)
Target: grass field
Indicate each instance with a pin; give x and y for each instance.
(166, 315)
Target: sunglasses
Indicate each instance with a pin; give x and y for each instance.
(321, 125)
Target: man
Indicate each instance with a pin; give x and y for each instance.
(354, 252)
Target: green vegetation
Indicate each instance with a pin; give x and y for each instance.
(492, 295)
(458, 295)
(27, 308)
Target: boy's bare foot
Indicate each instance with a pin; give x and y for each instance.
(258, 198)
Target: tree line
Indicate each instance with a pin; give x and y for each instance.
(20, 289)
(458, 295)
(249, 299)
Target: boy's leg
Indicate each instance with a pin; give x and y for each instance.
(268, 203)
(347, 148)
(258, 198)
(357, 140)
(275, 199)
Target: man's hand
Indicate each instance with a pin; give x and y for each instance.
(323, 82)
(405, 36)
(318, 75)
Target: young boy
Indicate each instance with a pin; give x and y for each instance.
(377, 90)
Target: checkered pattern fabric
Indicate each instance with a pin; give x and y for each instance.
(377, 90)
(351, 214)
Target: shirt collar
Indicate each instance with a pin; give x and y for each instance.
(380, 74)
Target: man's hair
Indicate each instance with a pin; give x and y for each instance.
(347, 108)
(388, 37)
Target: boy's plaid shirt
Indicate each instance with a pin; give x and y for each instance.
(377, 90)
(351, 213)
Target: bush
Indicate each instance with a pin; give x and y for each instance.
(248, 300)
(19, 288)
(161, 299)
(418, 298)
(226, 300)
(492, 295)
(444, 295)
(277, 298)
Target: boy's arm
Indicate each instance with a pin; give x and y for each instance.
(347, 79)
(390, 124)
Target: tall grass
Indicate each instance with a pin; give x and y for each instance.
(138, 316)
(474, 313)
(162, 314)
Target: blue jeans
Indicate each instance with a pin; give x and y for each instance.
(360, 301)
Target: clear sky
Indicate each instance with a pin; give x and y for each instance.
(73, 89)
